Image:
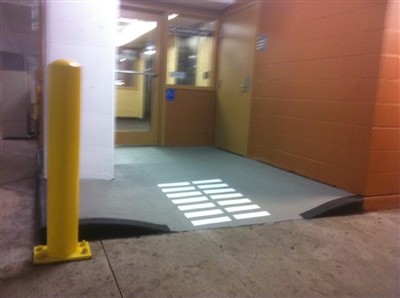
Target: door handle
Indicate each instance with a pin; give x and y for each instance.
(152, 75)
(246, 86)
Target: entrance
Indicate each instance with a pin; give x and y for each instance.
(136, 79)
(235, 73)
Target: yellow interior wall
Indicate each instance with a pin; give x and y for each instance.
(130, 100)
(171, 59)
(204, 55)
(204, 49)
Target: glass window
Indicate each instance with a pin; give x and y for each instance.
(190, 51)
(126, 68)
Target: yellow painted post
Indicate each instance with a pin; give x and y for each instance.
(63, 167)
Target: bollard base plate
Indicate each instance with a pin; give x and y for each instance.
(41, 255)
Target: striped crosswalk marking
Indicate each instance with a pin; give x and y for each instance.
(203, 213)
(226, 196)
(207, 181)
(175, 189)
(251, 215)
(189, 200)
(200, 197)
(173, 184)
(196, 206)
(221, 190)
(242, 208)
(234, 202)
(219, 185)
(184, 194)
(211, 221)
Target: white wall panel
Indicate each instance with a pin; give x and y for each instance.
(84, 32)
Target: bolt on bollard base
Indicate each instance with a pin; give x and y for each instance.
(41, 256)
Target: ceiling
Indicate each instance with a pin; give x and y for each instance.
(202, 4)
(20, 31)
(180, 20)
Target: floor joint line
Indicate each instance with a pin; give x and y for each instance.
(112, 270)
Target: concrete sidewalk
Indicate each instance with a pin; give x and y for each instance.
(355, 256)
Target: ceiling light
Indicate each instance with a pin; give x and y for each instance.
(131, 29)
(150, 48)
(149, 52)
(172, 16)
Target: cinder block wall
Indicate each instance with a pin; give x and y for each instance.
(383, 175)
(316, 93)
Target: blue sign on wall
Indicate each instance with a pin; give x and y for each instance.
(170, 94)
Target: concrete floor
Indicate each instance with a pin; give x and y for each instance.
(355, 256)
(136, 192)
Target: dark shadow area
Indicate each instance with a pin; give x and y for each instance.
(97, 228)
(109, 228)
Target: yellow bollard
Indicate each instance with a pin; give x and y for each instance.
(63, 167)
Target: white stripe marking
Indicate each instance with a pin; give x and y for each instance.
(173, 184)
(210, 221)
(178, 189)
(207, 181)
(234, 202)
(226, 196)
(196, 206)
(242, 208)
(213, 185)
(191, 200)
(183, 194)
(211, 191)
(251, 215)
(203, 213)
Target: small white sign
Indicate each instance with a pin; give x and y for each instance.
(262, 41)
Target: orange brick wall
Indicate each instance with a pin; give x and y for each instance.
(383, 176)
(314, 89)
(190, 119)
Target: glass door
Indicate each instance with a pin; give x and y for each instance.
(137, 79)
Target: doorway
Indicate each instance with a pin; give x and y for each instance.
(137, 80)
(237, 48)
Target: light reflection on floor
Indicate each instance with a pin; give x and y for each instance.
(214, 191)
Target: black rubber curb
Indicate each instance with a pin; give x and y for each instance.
(338, 207)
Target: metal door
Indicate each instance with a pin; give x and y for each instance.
(237, 49)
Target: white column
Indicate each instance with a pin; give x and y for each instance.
(84, 31)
